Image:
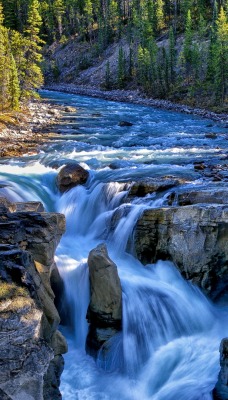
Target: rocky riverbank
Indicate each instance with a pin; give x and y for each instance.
(23, 132)
(135, 97)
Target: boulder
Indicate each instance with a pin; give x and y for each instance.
(70, 109)
(105, 309)
(221, 388)
(125, 123)
(210, 135)
(70, 176)
(193, 237)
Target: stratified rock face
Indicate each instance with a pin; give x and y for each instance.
(193, 237)
(221, 389)
(70, 176)
(29, 341)
(105, 308)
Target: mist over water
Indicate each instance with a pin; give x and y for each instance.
(169, 346)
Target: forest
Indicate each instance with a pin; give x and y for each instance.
(176, 48)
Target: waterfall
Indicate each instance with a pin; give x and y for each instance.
(169, 345)
(166, 320)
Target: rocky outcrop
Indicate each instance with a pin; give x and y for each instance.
(70, 176)
(221, 389)
(31, 347)
(209, 196)
(193, 237)
(150, 185)
(105, 309)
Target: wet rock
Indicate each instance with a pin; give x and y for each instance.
(69, 109)
(209, 196)
(105, 309)
(125, 123)
(96, 115)
(193, 237)
(36, 206)
(211, 135)
(199, 166)
(52, 379)
(70, 176)
(221, 389)
(6, 205)
(151, 185)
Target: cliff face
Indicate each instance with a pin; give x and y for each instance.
(31, 347)
(193, 237)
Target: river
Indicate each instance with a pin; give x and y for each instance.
(169, 347)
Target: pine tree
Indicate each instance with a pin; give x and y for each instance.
(4, 72)
(32, 77)
(188, 47)
(88, 12)
(14, 87)
(121, 68)
(107, 76)
(160, 15)
(172, 55)
(58, 8)
(221, 61)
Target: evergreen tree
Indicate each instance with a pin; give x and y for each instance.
(107, 76)
(4, 75)
(221, 58)
(14, 87)
(88, 12)
(32, 77)
(160, 15)
(58, 8)
(172, 55)
(121, 68)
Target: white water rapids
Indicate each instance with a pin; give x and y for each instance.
(169, 346)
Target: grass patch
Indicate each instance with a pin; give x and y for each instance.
(10, 290)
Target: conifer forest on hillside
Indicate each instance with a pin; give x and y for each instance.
(169, 49)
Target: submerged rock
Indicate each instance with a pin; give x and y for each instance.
(105, 309)
(193, 237)
(70, 176)
(125, 123)
(221, 389)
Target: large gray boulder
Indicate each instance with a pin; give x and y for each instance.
(193, 237)
(221, 389)
(105, 308)
(70, 176)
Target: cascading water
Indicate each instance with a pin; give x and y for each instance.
(168, 348)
